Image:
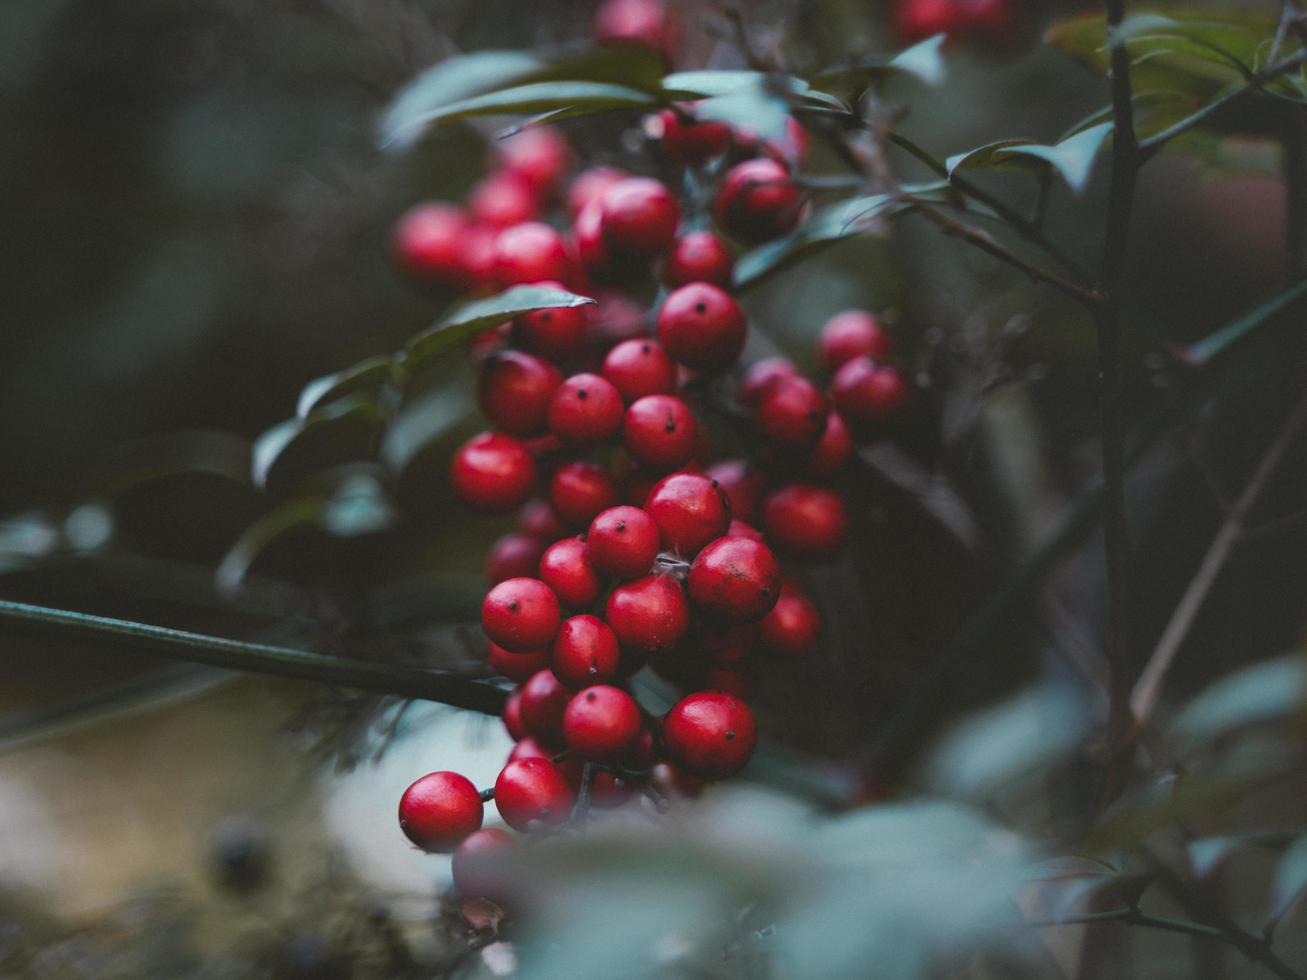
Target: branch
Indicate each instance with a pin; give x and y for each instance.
(398, 681)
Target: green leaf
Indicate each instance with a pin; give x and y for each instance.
(365, 378)
(421, 424)
(1073, 158)
(1290, 879)
(1215, 344)
(757, 111)
(712, 84)
(1206, 854)
(340, 432)
(1265, 692)
(471, 318)
(923, 61)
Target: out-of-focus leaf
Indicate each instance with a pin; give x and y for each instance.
(219, 454)
(1265, 692)
(923, 61)
(344, 431)
(1290, 879)
(421, 424)
(471, 318)
(1063, 898)
(25, 538)
(1215, 344)
(756, 111)
(364, 378)
(1073, 158)
(1206, 854)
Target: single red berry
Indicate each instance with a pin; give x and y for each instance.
(544, 697)
(503, 198)
(428, 244)
(539, 155)
(439, 810)
(584, 652)
(467, 865)
(701, 326)
(585, 411)
(588, 240)
(710, 734)
(531, 791)
(743, 529)
(743, 486)
(659, 431)
(520, 614)
(725, 645)
(647, 22)
(833, 452)
(530, 251)
(791, 416)
(555, 332)
(850, 334)
(699, 256)
(690, 510)
(793, 625)
(684, 140)
(916, 20)
(566, 568)
(761, 376)
(640, 367)
(493, 472)
(517, 667)
(729, 680)
(478, 254)
(589, 185)
(868, 396)
(640, 217)
(649, 615)
(758, 201)
(601, 722)
(805, 519)
(992, 19)
(623, 541)
(512, 716)
(514, 555)
(734, 580)
(514, 391)
(579, 490)
(609, 791)
(539, 520)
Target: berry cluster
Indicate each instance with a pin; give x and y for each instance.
(635, 548)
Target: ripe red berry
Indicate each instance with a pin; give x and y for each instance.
(640, 217)
(737, 683)
(585, 411)
(579, 490)
(649, 615)
(744, 487)
(850, 334)
(760, 377)
(478, 254)
(556, 332)
(512, 716)
(493, 472)
(659, 431)
(428, 244)
(514, 555)
(589, 185)
(834, 451)
(566, 568)
(701, 326)
(520, 614)
(868, 396)
(503, 198)
(467, 865)
(647, 22)
(690, 510)
(743, 529)
(699, 256)
(538, 155)
(530, 791)
(734, 580)
(684, 140)
(517, 667)
(601, 722)
(530, 251)
(539, 520)
(758, 201)
(710, 734)
(725, 645)
(439, 810)
(609, 790)
(584, 652)
(544, 697)
(623, 541)
(806, 520)
(514, 391)
(791, 416)
(588, 239)
(793, 625)
(640, 367)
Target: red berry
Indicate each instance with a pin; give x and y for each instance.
(743, 487)
(493, 472)
(793, 625)
(538, 155)
(588, 236)
(659, 431)
(916, 20)
(503, 198)
(640, 217)
(530, 252)
(428, 244)
(994, 19)
(517, 667)
(649, 615)
(743, 529)
(479, 254)
(729, 681)
(850, 334)
(512, 716)
(556, 332)
(725, 645)
(520, 614)
(805, 519)
(639, 367)
(601, 722)
(734, 580)
(585, 411)
(690, 510)
(515, 555)
(834, 451)
(791, 416)
(701, 326)
(761, 376)
(530, 791)
(566, 568)
(589, 185)
(539, 520)
(579, 490)
(647, 22)
(544, 697)
(758, 201)
(687, 142)
(514, 391)
(868, 396)
(609, 791)
(710, 734)
(623, 541)
(584, 652)
(699, 256)
(439, 810)
(470, 878)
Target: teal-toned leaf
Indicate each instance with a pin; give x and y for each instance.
(1262, 693)
(26, 538)
(1290, 879)
(365, 378)
(343, 431)
(1217, 343)
(1073, 158)
(421, 424)
(471, 318)
(711, 84)
(755, 111)
(1206, 854)
(923, 61)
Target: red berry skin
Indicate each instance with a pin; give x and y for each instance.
(544, 698)
(758, 201)
(761, 377)
(916, 20)
(868, 396)
(478, 254)
(734, 580)
(685, 141)
(514, 391)
(428, 245)
(850, 334)
(742, 529)
(791, 417)
(703, 327)
(520, 614)
(469, 877)
(539, 521)
(530, 251)
(833, 452)
(517, 667)
(515, 555)
(690, 510)
(649, 615)
(640, 217)
(623, 541)
(589, 185)
(584, 652)
(609, 791)
(726, 645)
(647, 22)
(699, 256)
(512, 717)
(440, 810)
(555, 333)
(532, 791)
(744, 487)
(674, 781)
(539, 155)
(493, 473)
(601, 722)
(503, 198)
(793, 625)
(639, 367)
(710, 735)
(579, 490)
(566, 568)
(806, 520)
(659, 432)
(585, 411)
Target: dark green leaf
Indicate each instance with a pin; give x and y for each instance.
(1206, 854)
(343, 431)
(1265, 692)
(711, 84)
(364, 378)
(755, 111)
(923, 61)
(1073, 158)
(421, 424)
(1215, 344)
(1290, 879)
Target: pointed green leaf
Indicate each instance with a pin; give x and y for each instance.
(1073, 158)
(340, 432)
(1215, 344)
(923, 61)
(1290, 879)
(365, 377)
(1264, 692)
(710, 84)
